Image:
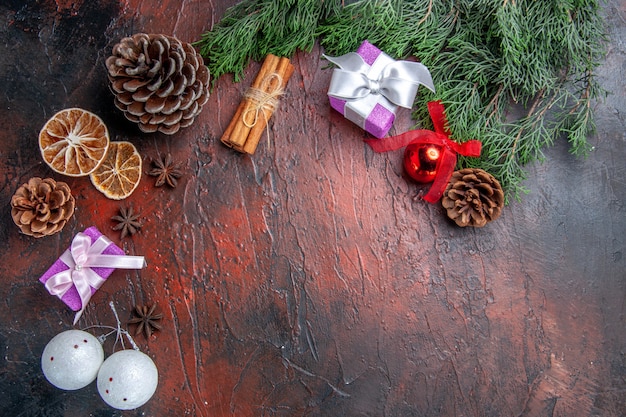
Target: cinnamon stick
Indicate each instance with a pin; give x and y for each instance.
(231, 126)
(251, 117)
(239, 133)
(284, 71)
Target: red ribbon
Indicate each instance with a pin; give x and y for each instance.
(440, 137)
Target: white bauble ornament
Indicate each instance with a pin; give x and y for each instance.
(71, 360)
(127, 379)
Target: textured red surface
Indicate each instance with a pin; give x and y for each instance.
(308, 279)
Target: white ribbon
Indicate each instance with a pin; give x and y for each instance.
(397, 81)
(80, 258)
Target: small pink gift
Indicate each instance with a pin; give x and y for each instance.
(369, 86)
(82, 269)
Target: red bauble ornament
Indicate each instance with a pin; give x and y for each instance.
(421, 161)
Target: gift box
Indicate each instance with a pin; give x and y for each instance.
(80, 271)
(369, 87)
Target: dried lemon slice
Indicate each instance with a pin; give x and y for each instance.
(74, 142)
(119, 173)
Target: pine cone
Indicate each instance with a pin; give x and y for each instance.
(42, 207)
(159, 82)
(473, 197)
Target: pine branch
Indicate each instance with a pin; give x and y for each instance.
(254, 28)
(487, 57)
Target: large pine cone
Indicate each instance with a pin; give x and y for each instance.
(473, 197)
(159, 82)
(42, 206)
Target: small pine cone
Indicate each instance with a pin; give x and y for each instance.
(41, 207)
(159, 82)
(473, 197)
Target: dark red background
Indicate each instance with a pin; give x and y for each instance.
(308, 279)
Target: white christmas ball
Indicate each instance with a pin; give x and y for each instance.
(71, 360)
(127, 379)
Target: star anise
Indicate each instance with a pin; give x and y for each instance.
(166, 171)
(128, 222)
(146, 320)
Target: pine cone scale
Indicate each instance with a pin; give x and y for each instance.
(189, 72)
(186, 122)
(149, 128)
(168, 130)
(171, 105)
(57, 216)
(154, 104)
(155, 84)
(485, 189)
(57, 199)
(23, 216)
(178, 87)
(141, 96)
(37, 226)
(166, 90)
(173, 119)
(135, 109)
(118, 87)
(156, 119)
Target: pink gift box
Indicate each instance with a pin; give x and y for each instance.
(71, 297)
(391, 84)
(382, 114)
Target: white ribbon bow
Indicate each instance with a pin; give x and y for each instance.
(397, 82)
